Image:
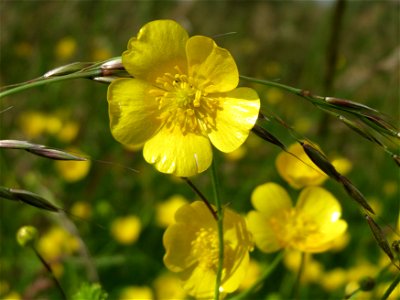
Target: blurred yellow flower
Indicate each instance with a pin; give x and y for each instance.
(192, 249)
(13, 295)
(237, 154)
(81, 209)
(333, 279)
(252, 275)
(68, 131)
(168, 286)
(32, 124)
(126, 230)
(182, 99)
(65, 48)
(300, 171)
(273, 95)
(73, 171)
(311, 226)
(136, 293)
(165, 211)
(24, 49)
(54, 245)
(312, 270)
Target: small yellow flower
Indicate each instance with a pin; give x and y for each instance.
(192, 249)
(182, 99)
(312, 270)
(126, 230)
(165, 211)
(300, 171)
(136, 293)
(32, 124)
(311, 226)
(65, 48)
(81, 209)
(73, 171)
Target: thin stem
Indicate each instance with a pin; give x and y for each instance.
(263, 277)
(392, 286)
(296, 286)
(47, 266)
(43, 81)
(202, 197)
(220, 220)
(274, 84)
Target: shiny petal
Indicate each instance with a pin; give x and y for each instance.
(157, 49)
(133, 112)
(263, 235)
(177, 242)
(238, 114)
(174, 153)
(319, 205)
(199, 282)
(197, 214)
(270, 199)
(211, 66)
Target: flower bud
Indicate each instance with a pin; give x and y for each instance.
(27, 235)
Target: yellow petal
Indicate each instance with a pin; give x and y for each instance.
(177, 242)
(175, 153)
(133, 111)
(298, 171)
(157, 49)
(196, 214)
(319, 205)
(238, 114)
(270, 199)
(262, 232)
(211, 65)
(199, 282)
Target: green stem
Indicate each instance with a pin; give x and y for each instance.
(263, 277)
(220, 216)
(274, 84)
(392, 286)
(48, 268)
(43, 81)
(296, 286)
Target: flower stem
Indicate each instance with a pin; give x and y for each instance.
(392, 286)
(263, 277)
(296, 286)
(48, 268)
(220, 216)
(47, 80)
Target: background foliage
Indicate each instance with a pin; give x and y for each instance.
(283, 41)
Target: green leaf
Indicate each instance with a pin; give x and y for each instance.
(90, 291)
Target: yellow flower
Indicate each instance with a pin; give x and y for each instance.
(65, 48)
(126, 230)
(300, 171)
(311, 226)
(73, 171)
(312, 269)
(166, 210)
(192, 249)
(32, 124)
(182, 99)
(168, 286)
(137, 293)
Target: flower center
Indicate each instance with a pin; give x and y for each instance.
(184, 104)
(292, 228)
(205, 248)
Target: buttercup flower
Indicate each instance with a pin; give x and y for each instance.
(311, 226)
(300, 171)
(182, 99)
(192, 250)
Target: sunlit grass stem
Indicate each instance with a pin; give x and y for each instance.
(246, 294)
(220, 220)
(392, 286)
(296, 286)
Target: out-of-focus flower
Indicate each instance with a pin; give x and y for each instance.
(273, 95)
(56, 244)
(237, 154)
(81, 209)
(192, 249)
(13, 295)
(68, 131)
(300, 171)
(311, 226)
(73, 171)
(32, 124)
(165, 211)
(252, 275)
(137, 293)
(182, 99)
(333, 279)
(312, 270)
(24, 49)
(168, 286)
(65, 48)
(126, 230)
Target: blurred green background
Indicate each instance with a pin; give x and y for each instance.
(285, 41)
